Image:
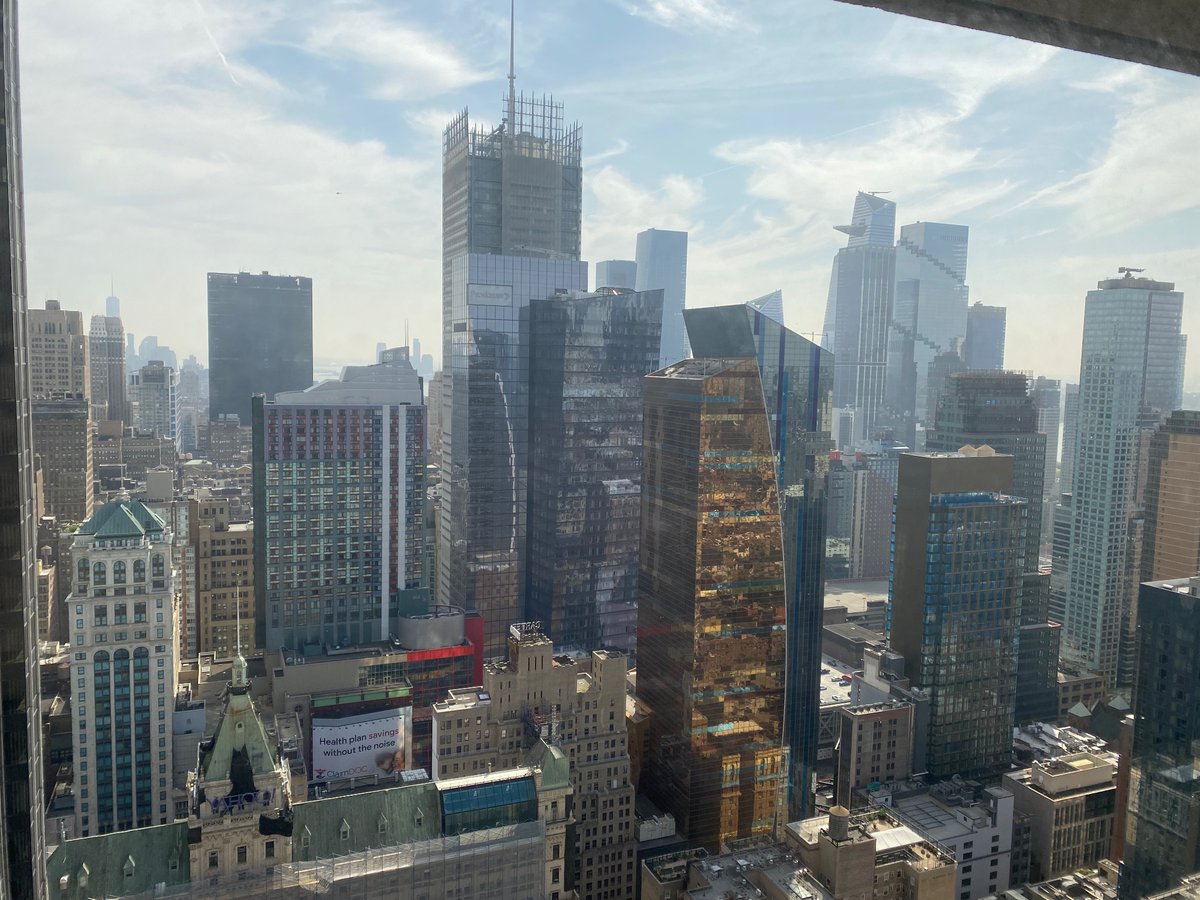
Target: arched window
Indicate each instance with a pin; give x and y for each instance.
(121, 655)
(99, 574)
(139, 570)
(157, 567)
(83, 570)
(141, 653)
(119, 572)
(101, 656)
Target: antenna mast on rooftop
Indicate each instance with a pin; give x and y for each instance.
(512, 74)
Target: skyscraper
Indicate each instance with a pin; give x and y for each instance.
(23, 851)
(58, 353)
(260, 339)
(513, 190)
(1047, 400)
(770, 305)
(154, 401)
(588, 358)
(62, 430)
(339, 494)
(616, 273)
(929, 320)
(1163, 828)
(1171, 539)
(954, 606)
(984, 344)
(662, 265)
(858, 311)
(106, 352)
(481, 557)
(1129, 380)
(1066, 477)
(795, 377)
(123, 613)
(712, 605)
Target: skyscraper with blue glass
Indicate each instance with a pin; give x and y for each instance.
(662, 265)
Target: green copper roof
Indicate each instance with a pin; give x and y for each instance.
(123, 519)
(556, 768)
(239, 733)
(334, 826)
(120, 863)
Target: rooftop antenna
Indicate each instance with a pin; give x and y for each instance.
(512, 75)
(239, 663)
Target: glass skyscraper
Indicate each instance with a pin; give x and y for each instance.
(796, 380)
(484, 442)
(712, 616)
(662, 265)
(1130, 378)
(260, 339)
(23, 852)
(954, 603)
(1163, 834)
(983, 347)
(588, 358)
(858, 311)
(339, 494)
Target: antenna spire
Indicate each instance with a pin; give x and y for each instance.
(239, 663)
(512, 74)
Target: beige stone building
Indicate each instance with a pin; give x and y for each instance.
(58, 353)
(576, 704)
(63, 439)
(1071, 803)
(223, 554)
(875, 745)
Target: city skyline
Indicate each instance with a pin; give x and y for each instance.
(757, 193)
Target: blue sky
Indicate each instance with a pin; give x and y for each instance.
(163, 140)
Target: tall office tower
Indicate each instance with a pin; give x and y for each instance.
(154, 401)
(588, 358)
(23, 850)
(983, 347)
(1060, 556)
(473, 731)
(1163, 826)
(223, 554)
(62, 430)
(193, 404)
(112, 306)
(929, 321)
(954, 608)
(513, 190)
(339, 494)
(58, 353)
(150, 349)
(1129, 380)
(1171, 538)
(712, 606)
(662, 265)
(796, 378)
(1047, 399)
(260, 339)
(481, 555)
(770, 305)
(616, 273)
(996, 408)
(1070, 417)
(123, 618)
(106, 356)
(858, 311)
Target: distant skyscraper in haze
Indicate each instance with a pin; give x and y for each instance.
(662, 265)
(1171, 539)
(588, 359)
(512, 190)
(1066, 475)
(1163, 836)
(984, 344)
(1129, 381)
(770, 305)
(154, 399)
(929, 320)
(260, 339)
(954, 607)
(796, 379)
(858, 311)
(23, 852)
(106, 352)
(112, 307)
(1047, 399)
(616, 273)
(481, 558)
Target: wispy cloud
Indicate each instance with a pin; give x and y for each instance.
(687, 15)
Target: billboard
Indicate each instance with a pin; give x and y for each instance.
(375, 743)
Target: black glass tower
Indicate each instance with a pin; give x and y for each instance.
(23, 851)
(260, 339)
(588, 358)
